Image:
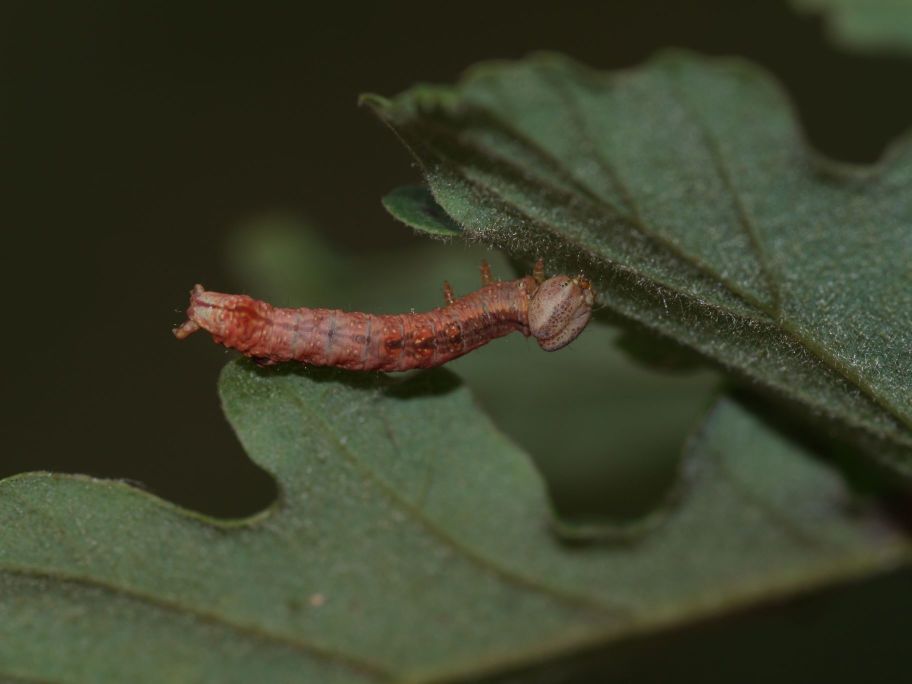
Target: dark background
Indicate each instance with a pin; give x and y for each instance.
(135, 136)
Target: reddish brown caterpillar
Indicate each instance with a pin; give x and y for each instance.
(554, 311)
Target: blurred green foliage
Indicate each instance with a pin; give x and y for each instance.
(869, 25)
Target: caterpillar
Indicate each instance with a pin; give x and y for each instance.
(553, 310)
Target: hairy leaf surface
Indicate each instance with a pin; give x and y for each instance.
(684, 188)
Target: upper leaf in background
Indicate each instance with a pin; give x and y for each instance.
(409, 543)
(685, 190)
(870, 25)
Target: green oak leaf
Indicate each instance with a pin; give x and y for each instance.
(685, 190)
(410, 543)
(870, 25)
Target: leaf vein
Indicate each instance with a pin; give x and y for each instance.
(477, 558)
(745, 221)
(372, 669)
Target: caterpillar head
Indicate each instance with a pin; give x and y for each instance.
(559, 310)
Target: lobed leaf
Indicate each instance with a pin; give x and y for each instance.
(410, 543)
(685, 190)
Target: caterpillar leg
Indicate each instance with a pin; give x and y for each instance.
(486, 277)
(448, 293)
(538, 271)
